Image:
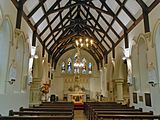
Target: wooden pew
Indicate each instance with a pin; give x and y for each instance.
(55, 106)
(103, 113)
(103, 110)
(47, 109)
(128, 117)
(36, 117)
(105, 107)
(56, 103)
(39, 113)
(88, 104)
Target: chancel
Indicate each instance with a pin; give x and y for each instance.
(80, 59)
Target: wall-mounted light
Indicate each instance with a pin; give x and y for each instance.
(153, 84)
(11, 81)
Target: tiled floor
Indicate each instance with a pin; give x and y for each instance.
(78, 115)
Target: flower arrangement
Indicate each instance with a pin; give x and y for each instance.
(45, 88)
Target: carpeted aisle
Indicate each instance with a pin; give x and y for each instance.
(78, 115)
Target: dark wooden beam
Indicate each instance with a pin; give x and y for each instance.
(29, 23)
(115, 16)
(113, 50)
(43, 50)
(126, 10)
(153, 5)
(44, 16)
(57, 26)
(126, 40)
(34, 38)
(145, 15)
(49, 58)
(106, 58)
(52, 10)
(19, 13)
(96, 22)
(43, 8)
(36, 8)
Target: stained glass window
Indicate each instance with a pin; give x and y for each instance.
(89, 68)
(76, 63)
(69, 66)
(84, 66)
(63, 66)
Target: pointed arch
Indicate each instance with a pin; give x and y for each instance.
(156, 45)
(6, 40)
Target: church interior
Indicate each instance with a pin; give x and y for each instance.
(81, 59)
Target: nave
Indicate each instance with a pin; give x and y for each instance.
(91, 111)
(80, 51)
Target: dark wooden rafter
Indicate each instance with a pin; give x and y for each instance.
(106, 58)
(114, 15)
(113, 51)
(126, 40)
(57, 26)
(34, 38)
(29, 23)
(96, 22)
(61, 17)
(58, 47)
(61, 35)
(44, 16)
(47, 19)
(43, 50)
(145, 15)
(36, 8)
(58, 40)
(99, 47)
(109, 25)
(65, 44)
(20, 4)
(126, 10)
(153, 5)
(90, 32)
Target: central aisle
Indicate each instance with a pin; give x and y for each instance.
(78, 115)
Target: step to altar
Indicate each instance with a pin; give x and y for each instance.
(78, 106)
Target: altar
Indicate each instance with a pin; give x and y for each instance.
(77, 97)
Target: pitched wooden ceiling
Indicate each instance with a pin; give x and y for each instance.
(56, 23)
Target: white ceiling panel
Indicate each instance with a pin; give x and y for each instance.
(124, 18)
(103, 24)
(46, 33)
(42, 25)
(108, 41)
(38, 14)
(134, 8)
(117, 27)
(49, 4)
(49, 40)
(148, 2)
(113, 5)
(55, 23)
(30, 4)
(104, 44)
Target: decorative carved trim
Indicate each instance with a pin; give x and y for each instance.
(1, 17)
(7, 18)
(154, 32)
(17, 35)
(146, 37)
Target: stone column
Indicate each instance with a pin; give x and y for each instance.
(119, 84)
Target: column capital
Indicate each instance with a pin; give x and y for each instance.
(119, 80)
